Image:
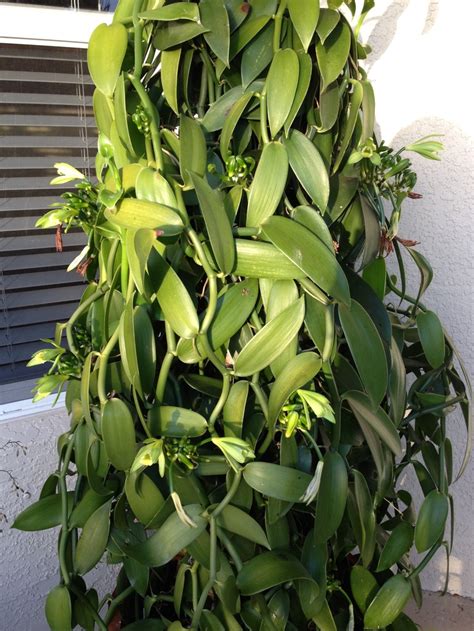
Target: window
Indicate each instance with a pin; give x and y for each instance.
(45, 117)
(88, 5)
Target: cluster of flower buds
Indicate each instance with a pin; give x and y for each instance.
(141, 120)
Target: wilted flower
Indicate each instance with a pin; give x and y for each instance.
(426, 147)
(313, 487)
(150, 454)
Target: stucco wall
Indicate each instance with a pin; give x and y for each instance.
(420, 54)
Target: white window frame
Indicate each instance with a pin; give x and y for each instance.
(44, 26)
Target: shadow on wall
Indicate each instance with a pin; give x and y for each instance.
(391, 17)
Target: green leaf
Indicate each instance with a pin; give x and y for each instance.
(268, 184)
(398, 544)
(431, 335)
(375, 275)
(431, 520)
(332, 497)
(192, 149)
(236, 521)
(350, 124)
(58, 609)
(328, 20)
(118, 432)
(319, 321)
(324, 618)
(366, 349)
(298, 372)
(397, 384)
(144, 497)
(366, 515)
(43, 514)
(136, 214)
(86, 506)
(173, 297)
(257, 55)
(313, 220)
(368, 110)
(283, 293)
(170, 33)
(176, 11)
(93, 540)
(310, 254)
(121, 116)
(243, 35)
(304, 79)
(217, 223)
(215, 19)
(309, 168)
(233, 116)
(217, 114)
(234, 409)
(272, 480)
(256, 259)
(175, 422)
(376, 417)
(103, 112)
(363, 586)
(388, 603)
(172, 537)
(284, 70)
(426, 272)
(105, 55)
(138, 245)
(332, 55)
(169, 76)
(270, 341)
(329, 104)
(234, 307)
(268, 570)
(305, 15)
(137, 348)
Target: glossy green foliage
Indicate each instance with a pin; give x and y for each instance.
(247, 383)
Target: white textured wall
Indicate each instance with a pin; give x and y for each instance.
(28, 563)
(420, 55)
(423, 85)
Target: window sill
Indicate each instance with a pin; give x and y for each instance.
(20, 409)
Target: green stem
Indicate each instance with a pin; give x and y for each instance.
(103, 363)
(212, 575)
(230, 549)
(154, 120)
(194, 584)
(166, 364)
(228, 496)
(202, 91)
(263, 118)
(312, 441)
(419, 568)
(331, 382)
(111, 260)
(278, 22)
(220, 403)
(77, 314)
(246, 232)
(63, 537)
(434, 408)
(137, 39)
(116, 602)
(124, 267)
(140, 415)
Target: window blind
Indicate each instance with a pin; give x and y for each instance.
(45, 117)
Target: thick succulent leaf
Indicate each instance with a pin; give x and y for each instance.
(243, 35)
(398, 544)
(118, 432)
(270, 341)
(376, 417)
(310, 254)
(305, 15)
(350, 124)
(332, 55)
(234, 409)
(93, 540)
(171, 12)
(284, 70)
(105, 55)
(272, 480)
(233, 116)
(58, 609)
(363, 587)
(431, 335)
(42, 514)
(176, 422)
(144, 497)
(308, 166)
(366, 348)
(216, 116)
(218, 227)
(397, 384)
(388, 603)
(136, 213)
(268, 184)
(192, 149)
(332, 497)
(257, 55)
(431, 520)
(169, 76)
(172, 537)
(173, 297)
(328, 20)
(268, 570)
(304, 80)
(256, 259)
(215, 19)
(236, 521)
